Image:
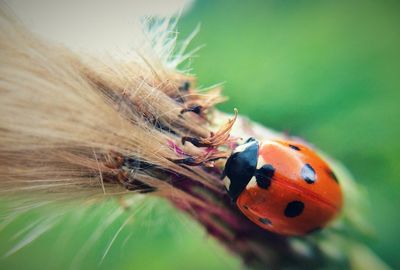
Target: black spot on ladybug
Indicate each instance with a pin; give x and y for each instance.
(246, 207)
(265, 221)
(294, 209)
(308, 174)
(294, 147)
(315, 230)
(332, 175)
(264, 176)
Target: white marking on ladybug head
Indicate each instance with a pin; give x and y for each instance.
(243, 147)
(227, 182)
(260, 162)
(252, 183)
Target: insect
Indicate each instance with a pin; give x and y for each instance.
(282, 186)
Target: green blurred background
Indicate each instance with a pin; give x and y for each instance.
(327, 71)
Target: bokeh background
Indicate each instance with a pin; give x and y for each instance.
(327, 71)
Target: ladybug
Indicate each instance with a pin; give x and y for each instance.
(282, 186)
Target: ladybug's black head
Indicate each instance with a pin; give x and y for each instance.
(240, 167)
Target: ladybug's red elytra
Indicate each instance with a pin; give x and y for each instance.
(282, 186)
